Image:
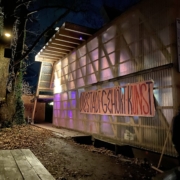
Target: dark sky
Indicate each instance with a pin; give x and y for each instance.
(39, 21)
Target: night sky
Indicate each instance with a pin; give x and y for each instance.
(38, 22)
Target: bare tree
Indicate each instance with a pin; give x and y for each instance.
(27, 89)
(26, 15)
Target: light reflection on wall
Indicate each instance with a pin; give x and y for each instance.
(57, 79)
(64, 109)
(56, 107)
(110, 55)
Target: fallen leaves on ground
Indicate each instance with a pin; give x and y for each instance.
(63, 157)
(19, 137)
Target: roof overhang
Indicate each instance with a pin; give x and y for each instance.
(68, 37)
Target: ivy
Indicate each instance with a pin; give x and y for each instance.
(19, 113)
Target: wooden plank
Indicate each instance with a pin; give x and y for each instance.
(12, 173)
(7, 159)
(2, 175)
(8, 167)
(41, 171)
(25, 167)
(33, 160)
(22, 164)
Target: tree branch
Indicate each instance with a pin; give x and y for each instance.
(57, 6)
(42, 34)
(22, 3)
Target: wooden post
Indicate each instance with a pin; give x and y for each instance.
(164, 145)
(37, 93)
(34, 108)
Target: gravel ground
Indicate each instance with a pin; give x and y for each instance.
(67, 160)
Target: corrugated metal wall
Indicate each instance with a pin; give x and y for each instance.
(130, 50)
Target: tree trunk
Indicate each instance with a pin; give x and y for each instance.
(7, 106)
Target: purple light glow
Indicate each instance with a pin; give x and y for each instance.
(73, 94)
(56, 97)
(80, 38)
(73, 103)
(70, 114)
(57, 105)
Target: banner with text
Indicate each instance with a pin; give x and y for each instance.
(130, 100)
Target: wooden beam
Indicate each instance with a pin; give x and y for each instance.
(127, 46)
(107, 57)
(46, 89)
(55, 51)
(54, 47)
(114, 127)
(73, 35)
(83, 75)
(68, 40)
(65, 77)
(139, 138)
(99, 57)
(70, 71)
(92, 63)
(45, 97)
(52, 75)
(78, 29)
(37, 93)
(45, 58)
(51, 54)
(44, 81)
(46, 74)
(157, 39)
(63, 44)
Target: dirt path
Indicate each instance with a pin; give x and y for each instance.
(67, 160)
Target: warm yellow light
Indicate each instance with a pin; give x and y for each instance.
(57, 89)
(7, 34)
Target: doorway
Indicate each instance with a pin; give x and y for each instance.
(48, 112)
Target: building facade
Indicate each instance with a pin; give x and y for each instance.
(138, 46)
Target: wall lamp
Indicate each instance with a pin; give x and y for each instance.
(7, 34)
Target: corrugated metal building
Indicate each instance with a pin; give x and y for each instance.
(140, 45)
